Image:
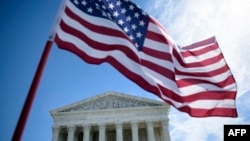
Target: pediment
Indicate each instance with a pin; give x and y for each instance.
(109, 100)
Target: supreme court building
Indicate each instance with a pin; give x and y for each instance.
(112, 116)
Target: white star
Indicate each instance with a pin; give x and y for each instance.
(97, 5)
(131, 37)
(123, 10)
(111, 6)
(116, 14)
(134, 26)
(104, 14)
(90, 10)
(84, 3)
(76, 2)
(136, 15)
(120, 22)
(118, 3)
(131, 7)
(103, 7)
(142, 23)
(138, 34)
(128, 19)
(125, 29)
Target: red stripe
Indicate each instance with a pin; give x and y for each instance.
(225, 112)
(206, 62)
(212, 73)
(187, 53)
(204, 95)
(157, 54)
(159, 69)
(190, 81)
(156, 37)
(200, 44)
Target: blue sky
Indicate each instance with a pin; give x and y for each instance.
(25, 27)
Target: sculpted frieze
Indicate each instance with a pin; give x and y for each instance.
(110, 102)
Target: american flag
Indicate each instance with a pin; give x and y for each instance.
(194, 79)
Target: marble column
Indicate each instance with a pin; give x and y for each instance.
(55, 134)
(150, 131)
(86, 129)
(102, 128)
(71, 132)
(119, 135)
(134, 131)
(165, 130)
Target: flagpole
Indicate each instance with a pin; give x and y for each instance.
(32, 92)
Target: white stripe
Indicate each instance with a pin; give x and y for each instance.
(191, 49)
(203, 104)
(157, 46)
(202, 69)
(163, 63)
(192, 89)
(202, 57)
(210, 104)
(214, 79)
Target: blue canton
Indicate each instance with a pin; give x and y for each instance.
(127, 15)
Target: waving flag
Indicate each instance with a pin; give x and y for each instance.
(194, 79)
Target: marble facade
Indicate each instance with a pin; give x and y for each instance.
(111, 116)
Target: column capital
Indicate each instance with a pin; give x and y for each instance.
(118, 124)
(56, 128)
(86, 128)
(71, 127)
(102, 125)
(134, 123)
(86, 125)
(165, 122)
(149, 123)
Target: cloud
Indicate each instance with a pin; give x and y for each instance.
(185, 128)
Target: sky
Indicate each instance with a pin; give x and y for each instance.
(25, 27)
